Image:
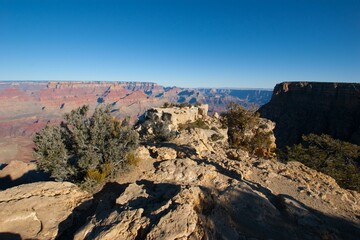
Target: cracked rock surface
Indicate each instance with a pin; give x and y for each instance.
(192, 193)
(35, 210)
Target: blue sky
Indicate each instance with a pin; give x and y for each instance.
(197, 43)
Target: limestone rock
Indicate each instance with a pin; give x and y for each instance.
(146, 210)
(191, 188)
(142, 153)
(237, 154)
(36, 210)
(184, 171)
(180, 222)
(163, 153)
(171, 116)
(116, 226)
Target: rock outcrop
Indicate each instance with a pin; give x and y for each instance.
(190, 188)
(214, 197)
(300, 108)
(39, 210)
(172, 116)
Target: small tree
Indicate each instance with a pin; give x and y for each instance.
(244, 130)
(155, 127)
(85, 149)
(338, 159)
(239, 122)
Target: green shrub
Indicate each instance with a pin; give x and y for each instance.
(95, 175)
(335, 158)
(154, 127)
(166, 105)
(161, 132)
(132, 159)
(215, 137)
(244, 131)
(85, 148)
(239, 121)
(180, 105)
(198, 123)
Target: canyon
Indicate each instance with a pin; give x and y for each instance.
(27, 106)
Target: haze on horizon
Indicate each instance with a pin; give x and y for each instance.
(198, 43)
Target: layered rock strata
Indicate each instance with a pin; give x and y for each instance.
(300, 108)
(26, 107)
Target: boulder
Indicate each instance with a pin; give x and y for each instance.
(171, 116)
(36, 210)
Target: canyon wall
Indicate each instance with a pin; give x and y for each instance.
(300, 108)
(26, 107)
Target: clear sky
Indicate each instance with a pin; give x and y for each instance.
(187, 43)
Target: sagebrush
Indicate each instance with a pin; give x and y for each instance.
(85, 149)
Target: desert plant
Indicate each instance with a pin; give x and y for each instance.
(85, 148)
(336, 158)
(198, 123)
(162, 132)
(132, 159)
(239, 121)
(245, 132)
(215, 137)
(155, 127)
(166, 105)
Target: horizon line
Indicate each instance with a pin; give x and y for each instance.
(116, 81)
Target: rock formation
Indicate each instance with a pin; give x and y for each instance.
(39, 210)
(173, 116)
(26, 107)
(192, 188)
(300, 108)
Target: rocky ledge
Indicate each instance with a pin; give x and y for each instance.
(190, 188)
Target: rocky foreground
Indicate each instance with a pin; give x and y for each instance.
(189, 188)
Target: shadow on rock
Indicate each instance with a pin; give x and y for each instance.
(9, 236)
(102, 201)
(224, 171)
(183, 151)
(104, 204)
(241, 213)
(159, 195)
(28, 177)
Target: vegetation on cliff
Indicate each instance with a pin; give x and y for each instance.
(338, 159)
(244, 131)
(84, 149)
(198, 123)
